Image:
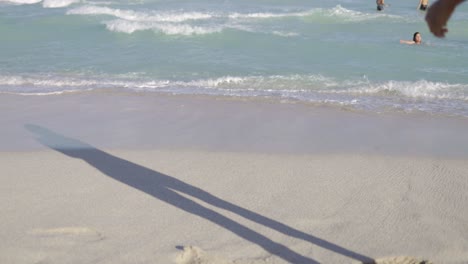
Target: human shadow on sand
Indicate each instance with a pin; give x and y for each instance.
(166, 188)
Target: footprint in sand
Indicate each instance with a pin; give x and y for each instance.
(195, 255)
(61, 245)
(67, 235)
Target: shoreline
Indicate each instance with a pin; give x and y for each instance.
(129, 121)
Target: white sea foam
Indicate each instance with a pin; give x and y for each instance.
(45, 3)
(335, 12)
(42, 93)
(199, 23)
(58, 3)
(140, 16)
(348, 15)
(321, 84)
(21, 2)
(38, 81)
(169, 23)
(126, 26)
(268, 15)
(97, 2)
(430, 97)
(291, 83)
(175, 16)
(129, 27)
(285, 34)
(418, 89)
(343, 14)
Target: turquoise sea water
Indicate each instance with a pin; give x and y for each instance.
(325, 52)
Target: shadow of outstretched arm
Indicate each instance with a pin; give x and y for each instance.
(164, 188)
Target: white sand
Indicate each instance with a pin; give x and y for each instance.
(194, 180)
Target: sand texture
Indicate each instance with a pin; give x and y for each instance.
(383, 189)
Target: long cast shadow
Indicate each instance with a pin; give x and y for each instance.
(165, 188)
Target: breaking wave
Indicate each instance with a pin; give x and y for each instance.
(424, 96)
(199, 23)
(421, 89)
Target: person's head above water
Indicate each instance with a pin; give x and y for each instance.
(417, 37)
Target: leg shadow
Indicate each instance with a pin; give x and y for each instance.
(165, 188)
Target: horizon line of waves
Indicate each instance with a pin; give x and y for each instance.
(273, 84)
(346, 15)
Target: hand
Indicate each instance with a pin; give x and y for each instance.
(438, 15)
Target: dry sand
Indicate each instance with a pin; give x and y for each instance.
(119, 179)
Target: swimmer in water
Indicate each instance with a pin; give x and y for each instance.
(423, 4)
(417, 40)
(380, 4)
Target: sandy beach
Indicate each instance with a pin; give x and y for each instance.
(128, 178)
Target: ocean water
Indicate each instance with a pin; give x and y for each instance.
(324, 52)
